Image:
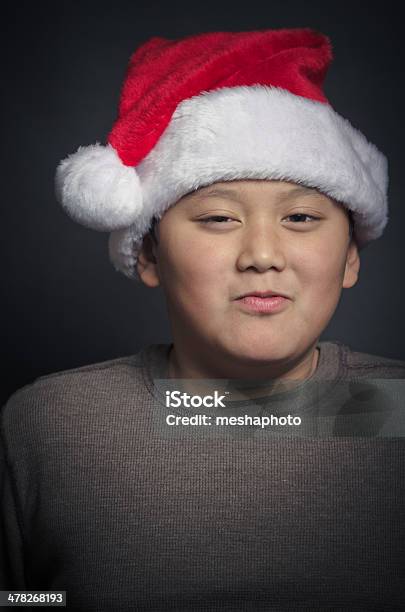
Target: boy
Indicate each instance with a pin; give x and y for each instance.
(249, 203)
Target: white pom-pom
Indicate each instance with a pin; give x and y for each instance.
(97, 190)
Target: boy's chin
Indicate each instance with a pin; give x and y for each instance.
(260, 353)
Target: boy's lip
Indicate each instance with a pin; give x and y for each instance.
(263, 294)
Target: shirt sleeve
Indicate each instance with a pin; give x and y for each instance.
(11, 542)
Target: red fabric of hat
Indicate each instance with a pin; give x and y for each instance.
(163, 72)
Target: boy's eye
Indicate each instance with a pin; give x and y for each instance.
(302, 218)
(215, 218)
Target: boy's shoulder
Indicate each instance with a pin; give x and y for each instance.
(359, 364)
(79, 374)
(108, 365)
(92, 386)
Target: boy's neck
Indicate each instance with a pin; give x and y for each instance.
(181, 366)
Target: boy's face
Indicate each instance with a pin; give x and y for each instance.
(238, 237)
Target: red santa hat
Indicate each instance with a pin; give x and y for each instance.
(214, 107)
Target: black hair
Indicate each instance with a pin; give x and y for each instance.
(351, 223)
(152, 230)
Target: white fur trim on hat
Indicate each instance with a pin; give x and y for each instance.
(258, 132)
(97, 190)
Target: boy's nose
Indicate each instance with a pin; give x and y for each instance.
(261, 249)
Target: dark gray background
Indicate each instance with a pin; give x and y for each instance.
(63, 303)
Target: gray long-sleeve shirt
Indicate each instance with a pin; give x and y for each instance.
(102, 498)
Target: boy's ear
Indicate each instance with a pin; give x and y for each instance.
(146, 265)
(352, 265)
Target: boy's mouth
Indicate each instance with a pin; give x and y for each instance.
(267, 302)
(263, 294)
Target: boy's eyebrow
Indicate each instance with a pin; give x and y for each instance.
(213, 191)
